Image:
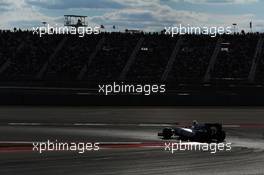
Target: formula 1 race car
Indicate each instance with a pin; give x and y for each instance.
(208, 132)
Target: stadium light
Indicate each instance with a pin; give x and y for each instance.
(251, 27)
(234, 24)
(44, 23)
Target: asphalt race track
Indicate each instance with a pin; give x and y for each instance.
(129, 141)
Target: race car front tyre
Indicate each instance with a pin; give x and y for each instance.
(167, 133)
(221, 136)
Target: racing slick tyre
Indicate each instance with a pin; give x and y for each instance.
(221, 136)
(167, 133)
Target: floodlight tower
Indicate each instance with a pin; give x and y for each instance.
(75, 21)
(44, 23)
(234, 25)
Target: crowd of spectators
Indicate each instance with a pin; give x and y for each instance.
(70, 59)
(152, 58)
(260, 70)
(27, 53)
(235, 60)
(112, 56)
(9, 42)
(193, 59)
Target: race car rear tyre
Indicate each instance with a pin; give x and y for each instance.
(167, 133)
(221, 136)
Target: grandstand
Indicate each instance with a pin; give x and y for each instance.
(131, 57)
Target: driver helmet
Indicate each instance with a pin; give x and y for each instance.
(195, 122)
